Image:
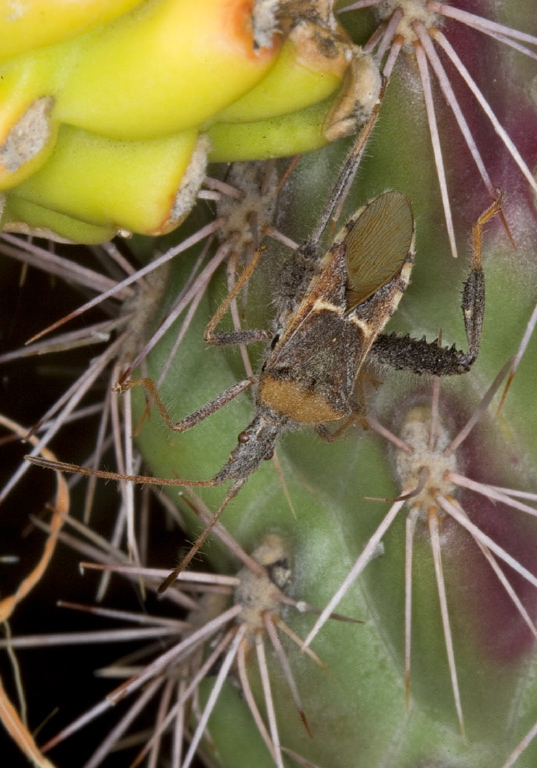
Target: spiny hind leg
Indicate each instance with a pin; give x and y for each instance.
(421, 356)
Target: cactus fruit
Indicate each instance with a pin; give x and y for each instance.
(132, 98)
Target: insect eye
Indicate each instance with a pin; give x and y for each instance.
(275, 340)
(243, 438)
(269, 455)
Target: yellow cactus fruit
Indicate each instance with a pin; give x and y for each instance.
(164, 67)
(134, 186)
(307, 71)
(33, 23)
(290, 134)
(27, 126)
(304, 130)
(102, 104)
(28, 142)
(22, 217)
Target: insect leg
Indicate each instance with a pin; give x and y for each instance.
(418, 355)
(180, 426)
(235, 337)
(347, 173)
(193, 418)
(421, 356)
(473, 296)
(358, 415)
(202, 538)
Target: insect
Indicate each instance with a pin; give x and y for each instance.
(332, 308)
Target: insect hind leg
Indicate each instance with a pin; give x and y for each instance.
(473, 296)
(421, 356)
(358, 415)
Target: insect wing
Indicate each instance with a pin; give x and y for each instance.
(377, 245)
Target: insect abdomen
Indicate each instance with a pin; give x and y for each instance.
(311, 376)
(290, 398)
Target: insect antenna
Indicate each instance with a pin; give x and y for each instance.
(64, 466)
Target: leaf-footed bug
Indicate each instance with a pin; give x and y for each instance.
(332, 308)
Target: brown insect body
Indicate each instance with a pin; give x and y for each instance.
(324, 337)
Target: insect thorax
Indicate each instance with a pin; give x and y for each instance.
(293, 280)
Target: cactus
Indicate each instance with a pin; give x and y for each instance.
(428, 500)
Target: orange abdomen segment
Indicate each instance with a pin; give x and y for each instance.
(291, 399)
